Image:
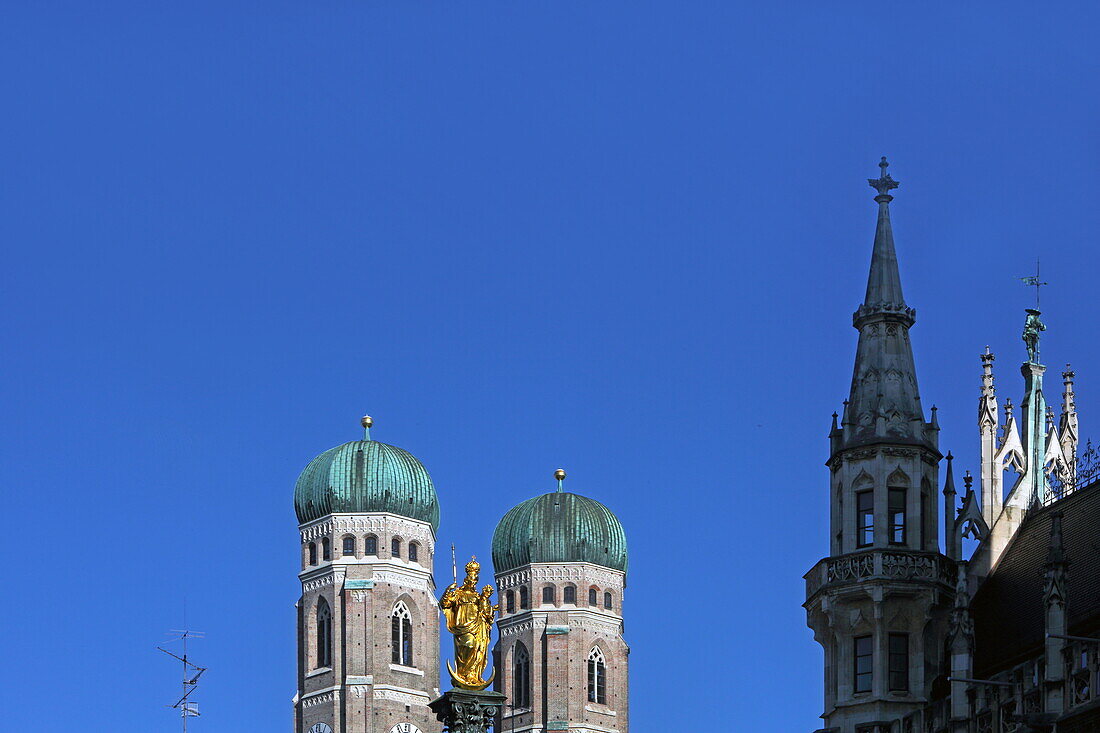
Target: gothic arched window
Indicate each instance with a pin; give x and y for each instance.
(597, 677)
(324, 633)
(414, 552)
(312, 553)
(401, 631)
(524, 604)
(607, 600)
(896, 509)
(569, 595)
(395, 547)
(592, 595)
(348, 550)
(548, 594)
(521, 677)
(326, 549)
(370, 545)
(510, 601)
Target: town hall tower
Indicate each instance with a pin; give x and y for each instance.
(879, 604)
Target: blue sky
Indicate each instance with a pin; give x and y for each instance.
(624, 238)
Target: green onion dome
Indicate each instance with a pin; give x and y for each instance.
(559, 527)
(366, 476)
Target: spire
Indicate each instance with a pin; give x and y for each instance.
(884, 403)
(949, 495)
(884, 281)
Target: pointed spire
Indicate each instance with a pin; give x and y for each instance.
(884, 280)
(884, 403)
(949, 481)
(1056, 553)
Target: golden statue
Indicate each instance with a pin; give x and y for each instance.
(470, 618)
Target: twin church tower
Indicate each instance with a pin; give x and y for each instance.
(368, 619)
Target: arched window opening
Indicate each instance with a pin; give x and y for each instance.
(896, 507)
(524, 603)
(510, 601)
(592, 595)
(548, 594)
(414, 552)
(326, 549)
(395, 547)
(324, 633)
(597, 677)
(312, 553)
(865, 518)
(348, 550)
(521, 678)
(569, 595)
(370, 545)
(401, 636)
(607, 600)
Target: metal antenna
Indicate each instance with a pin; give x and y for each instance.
(191, 673)
(1034, 281)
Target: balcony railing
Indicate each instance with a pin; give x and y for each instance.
(880, 564)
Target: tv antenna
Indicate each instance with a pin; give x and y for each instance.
(191, 672)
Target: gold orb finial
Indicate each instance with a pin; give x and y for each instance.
(367, 421)
(560, 474)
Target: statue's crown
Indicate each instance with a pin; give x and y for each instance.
(473, 565)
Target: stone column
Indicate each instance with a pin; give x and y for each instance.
(467, 711)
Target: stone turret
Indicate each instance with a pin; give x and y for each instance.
(879, 604)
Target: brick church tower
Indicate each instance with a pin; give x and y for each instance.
(879, 605)
(368, 626)
(561, 561)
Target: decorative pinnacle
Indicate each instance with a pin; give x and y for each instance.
(560, 476)
(366, 421)
(883, 184)
(968, 480)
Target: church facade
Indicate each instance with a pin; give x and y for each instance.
(368, 618)
(918, 638)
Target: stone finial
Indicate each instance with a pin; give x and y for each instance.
(1056, 555)
(884, 183)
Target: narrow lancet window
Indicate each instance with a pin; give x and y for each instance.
(324, 633)
(597, 677)
(401, 645)
(865, 518)
(521, 678)
(897, 516)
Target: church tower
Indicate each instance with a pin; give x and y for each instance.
(561, 561)
(879, 605)
(368, 626)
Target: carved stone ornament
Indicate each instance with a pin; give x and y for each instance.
(467, 711)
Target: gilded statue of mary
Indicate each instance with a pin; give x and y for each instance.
(470, 617)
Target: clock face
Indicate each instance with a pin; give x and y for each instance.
(404, 728)
(320, 728)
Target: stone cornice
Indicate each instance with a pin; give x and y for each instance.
(333, 524)
(578, 572)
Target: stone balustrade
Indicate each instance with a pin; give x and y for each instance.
(880, 564)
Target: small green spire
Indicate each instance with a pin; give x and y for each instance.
(560, 476)
(366, 422)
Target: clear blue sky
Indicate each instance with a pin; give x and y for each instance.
(625, 238)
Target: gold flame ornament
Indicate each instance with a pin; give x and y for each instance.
(470, 617)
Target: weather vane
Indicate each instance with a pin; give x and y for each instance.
(1033, 280)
